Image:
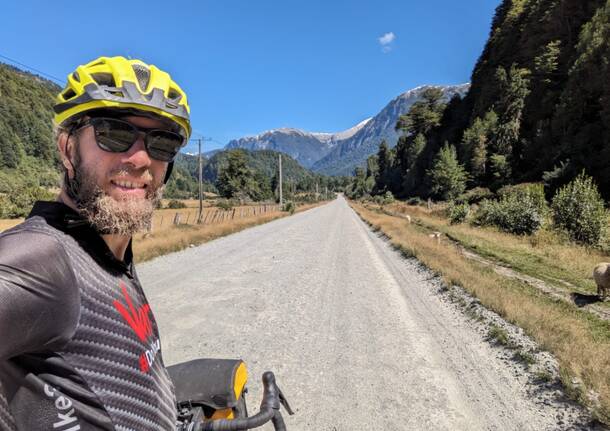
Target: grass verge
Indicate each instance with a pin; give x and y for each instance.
(579, 340)
(543, 255)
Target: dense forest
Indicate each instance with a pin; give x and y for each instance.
(538, 110)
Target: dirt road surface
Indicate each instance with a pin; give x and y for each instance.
(358, 337)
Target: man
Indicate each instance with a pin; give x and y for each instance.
(79, 347)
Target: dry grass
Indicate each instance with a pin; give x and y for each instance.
(9, 223)
(579, 341)
(544, 255)
(179, 237)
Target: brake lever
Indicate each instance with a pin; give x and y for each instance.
(284, 402)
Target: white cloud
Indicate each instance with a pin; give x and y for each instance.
(386, 42)
(387, 38)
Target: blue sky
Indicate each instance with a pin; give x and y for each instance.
(253, 65)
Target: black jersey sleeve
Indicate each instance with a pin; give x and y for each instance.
(39, 300)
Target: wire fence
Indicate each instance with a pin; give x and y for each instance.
(166, 218)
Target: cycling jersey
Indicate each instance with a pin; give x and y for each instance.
(79, 347)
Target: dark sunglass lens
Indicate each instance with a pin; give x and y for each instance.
(163, 145)
(114, 135)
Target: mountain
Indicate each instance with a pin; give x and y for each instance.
(304, 147)
(339, 153)
(352, 151)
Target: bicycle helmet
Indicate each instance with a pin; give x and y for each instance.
(130, 85)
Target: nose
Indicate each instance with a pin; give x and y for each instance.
(137, 156)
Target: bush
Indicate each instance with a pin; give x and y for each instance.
(225, 204)
(415, 201)
(385, 199)
(520, 210)
(388, 198)
(578, 209)
(476, 195)
(527, 191)
(176, 204)
(458, 212)
(289, 207)
(19, 203)
(7, 208)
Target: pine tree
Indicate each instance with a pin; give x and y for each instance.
(385, 161)
(236, 179)
(447, 176)
(514, 89)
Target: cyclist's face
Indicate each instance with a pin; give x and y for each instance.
(131, 175)
(117, 192)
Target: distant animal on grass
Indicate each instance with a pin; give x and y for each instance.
(437, 236)
(408, 218)
(601, 274)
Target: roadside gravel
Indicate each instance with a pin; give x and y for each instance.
(359, 337)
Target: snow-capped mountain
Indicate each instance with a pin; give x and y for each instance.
(339, 153)
(305, 147)
(353, 151)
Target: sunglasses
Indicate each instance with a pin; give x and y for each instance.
(117, 136)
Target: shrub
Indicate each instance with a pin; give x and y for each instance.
(388, 198)
(289, 207)
(520, 210)
(415, 201)
(377, 199)
(225, 204)
(578, 209)
(458, 212)
(476, 195)
(176, 204)
(527, 191)
(19, 203)
(7, 209)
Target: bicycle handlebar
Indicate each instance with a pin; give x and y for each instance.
(273, 398)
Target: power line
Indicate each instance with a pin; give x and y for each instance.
(59, 81)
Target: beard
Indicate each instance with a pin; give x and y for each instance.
(106, 214)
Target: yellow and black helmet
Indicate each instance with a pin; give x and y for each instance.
(119, 83)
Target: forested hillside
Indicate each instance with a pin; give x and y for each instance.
(538, 108)
(263, 165)
(27, 152)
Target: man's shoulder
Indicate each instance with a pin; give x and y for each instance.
(33, 238)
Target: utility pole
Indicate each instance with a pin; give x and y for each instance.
(316, 190)
(200, 142)
(200, 184)
(281, 195)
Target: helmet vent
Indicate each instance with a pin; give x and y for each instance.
(68, 94)
(173, 94)
(143, 75)
(76, 77)
(103, 79)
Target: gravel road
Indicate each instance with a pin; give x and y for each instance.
(359, 338)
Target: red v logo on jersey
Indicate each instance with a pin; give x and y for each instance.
(138, 319)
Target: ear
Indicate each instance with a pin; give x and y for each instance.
(65, 147)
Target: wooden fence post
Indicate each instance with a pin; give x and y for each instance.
(177, 218)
